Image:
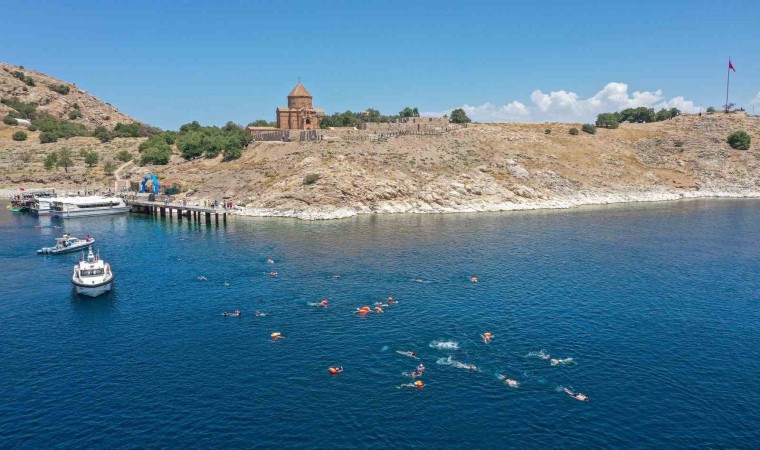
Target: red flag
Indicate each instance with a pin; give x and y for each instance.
(731, 66)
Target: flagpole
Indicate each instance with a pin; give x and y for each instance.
(728, 79)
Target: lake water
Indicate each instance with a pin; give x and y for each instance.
(657, 305)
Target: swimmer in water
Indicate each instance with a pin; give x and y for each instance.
(556, 362)
(226, 283)
(470, 367)
(335, 370)
(381, 304)
(261, 314)
(474, 279)
(409, 354)
(336, 276)
(487, 337)
(417, 384)
(419, 280)
(508, 381)
(421, 368)
(273, 274)
(202, 278)
(270, 261)
(378, 310)
(391, 300)
(235, 313)
(575, 395)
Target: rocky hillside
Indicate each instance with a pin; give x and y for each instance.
(56, 97)
(484, 167)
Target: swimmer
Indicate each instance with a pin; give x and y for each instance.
(336, 276)
(575, 395)
(261, 314)
(417, 384)
(487, 337)
(323, 303)
(335, 370)
(421, 368)
(409, 354)
(508, 381)
(470, 367)
(273, 274)
(235, 313)
(391, 300)
(381, 304)
(362, 311)
(474, 279)
(270, 261)
(556, 362)
(275, 336)
(202, 278)
(226, 283)
(419, 280)
(378, 310)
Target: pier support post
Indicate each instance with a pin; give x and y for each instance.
(216, 216)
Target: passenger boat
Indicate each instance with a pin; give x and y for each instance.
(66, 244)
(41, 206)
(94, 205)
(24, 199)
(92, 276)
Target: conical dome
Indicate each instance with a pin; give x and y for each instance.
(299, 91)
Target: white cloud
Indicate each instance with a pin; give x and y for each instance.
(567, 106)
(756, 101)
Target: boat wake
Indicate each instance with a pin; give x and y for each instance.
(445, 345)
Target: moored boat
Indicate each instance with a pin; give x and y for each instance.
(66, 244)
(92, 276)
(94, 205)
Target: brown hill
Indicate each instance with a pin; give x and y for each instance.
(41, 91)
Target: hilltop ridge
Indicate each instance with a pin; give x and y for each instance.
(56, 97)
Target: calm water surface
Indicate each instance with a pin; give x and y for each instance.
(657, 305)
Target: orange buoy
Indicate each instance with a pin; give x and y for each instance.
(419, 384)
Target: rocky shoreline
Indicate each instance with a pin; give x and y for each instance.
(421, 207)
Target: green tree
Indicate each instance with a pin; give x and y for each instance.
(51, 161)
(739, 140)
(607, 120)
(710, 110)
(662, 114)
(192, 126)
(641, 114)
(19, 136)
(91, 158)
(459, 116)
(674, 112)
(64, 158)
(409, 112)
(159, 155)
(261, 123)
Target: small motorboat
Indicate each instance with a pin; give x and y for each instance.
(65, 244)
(92, 276)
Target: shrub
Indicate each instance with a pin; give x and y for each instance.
(548, 131)
(311, 178)
(588, 128)
(109, 167)
(124, 156)
(64, 158)
(607, 120)
(127, 130)
(739, 140)
(710, 110)
(102, 134)
(32, 128)
(574, 131)
(156, 155)
(9, 120)
(51, 161)
(18, 74)
(29, 81)
(59, 88)
(61, 129)
(46, 137)
(19, 136)
(23, 110)
(74, 114)
(91, 158)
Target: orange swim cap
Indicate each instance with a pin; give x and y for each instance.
(418, 383)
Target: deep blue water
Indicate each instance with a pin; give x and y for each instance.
(656, 304)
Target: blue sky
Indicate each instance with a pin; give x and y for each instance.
(168, 63)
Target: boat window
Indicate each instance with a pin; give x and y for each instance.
(91, 272)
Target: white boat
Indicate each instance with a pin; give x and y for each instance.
(92, 276)
(65, 244)
(94, 205)
(41, 206)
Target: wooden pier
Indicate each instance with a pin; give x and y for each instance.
(193, 213)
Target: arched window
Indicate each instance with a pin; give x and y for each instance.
(308, 121)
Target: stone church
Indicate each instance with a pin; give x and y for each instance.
(300, 114)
